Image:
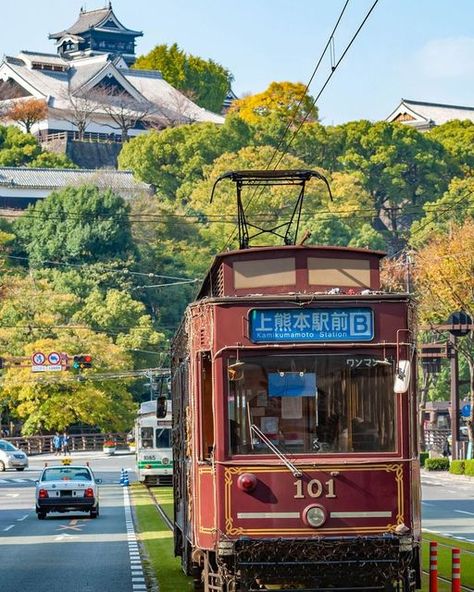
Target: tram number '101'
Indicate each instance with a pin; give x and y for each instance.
(315, 489)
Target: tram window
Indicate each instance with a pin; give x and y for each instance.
(311, 404)
(163, 437)
(146, 436)
(207, 412)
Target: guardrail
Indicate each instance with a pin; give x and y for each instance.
(44, 444)
(86, 137)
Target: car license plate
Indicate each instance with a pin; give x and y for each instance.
(64, 493)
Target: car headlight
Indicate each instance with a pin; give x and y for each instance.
(314, 516)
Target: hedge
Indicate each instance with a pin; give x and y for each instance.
(437, 464)
(469, 468)
(457, 467)
(423, 457)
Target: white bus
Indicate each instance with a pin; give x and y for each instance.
(153, 445)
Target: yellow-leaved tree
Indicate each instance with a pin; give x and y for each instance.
(286, 100)
(444, 275)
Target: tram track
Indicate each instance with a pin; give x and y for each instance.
(159, 509)
(169, 524)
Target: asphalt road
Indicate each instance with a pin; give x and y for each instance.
(448, 505)
(68, 552)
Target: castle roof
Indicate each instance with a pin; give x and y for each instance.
(103, 19)
(49, 77)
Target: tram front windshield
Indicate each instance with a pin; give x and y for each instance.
(311, 404)
(162, 437)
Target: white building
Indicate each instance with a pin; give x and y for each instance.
(423, 116)
(90, 78)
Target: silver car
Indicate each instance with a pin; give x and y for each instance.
(12, 457)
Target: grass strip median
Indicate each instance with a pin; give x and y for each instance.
(158, 541)
(445, 545)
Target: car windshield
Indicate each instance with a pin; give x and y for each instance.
(66, 474)
(4, 445)
(334, 403)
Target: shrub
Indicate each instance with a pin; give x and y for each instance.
(469, 468)
(437, 464)
(423, 457)
(457, 467)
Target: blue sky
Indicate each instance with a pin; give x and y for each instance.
(416, 49)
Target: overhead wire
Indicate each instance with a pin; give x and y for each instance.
(316, 98)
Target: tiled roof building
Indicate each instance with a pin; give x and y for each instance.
(91, 73)
(423, 115)
(20, 186)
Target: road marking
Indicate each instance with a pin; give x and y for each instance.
(12, 495)
(22, 518)
(71, 526)
(8, 527)
(464, 512)
(61, 537)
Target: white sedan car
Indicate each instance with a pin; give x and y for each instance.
(66, 488)
(12, 457)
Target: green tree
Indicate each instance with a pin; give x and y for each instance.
(118, 314)
(175, 158)
(83, 224)
(204, 81)
(458, 139)
(325, 221)
(20, 149)
(55, 402)
(401, 169)
(286, 100)
(51, 160)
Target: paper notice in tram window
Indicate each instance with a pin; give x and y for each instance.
(269, 425)
(292, 407)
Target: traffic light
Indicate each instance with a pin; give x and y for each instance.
(82, 361)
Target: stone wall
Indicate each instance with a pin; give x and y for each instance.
(87, 155)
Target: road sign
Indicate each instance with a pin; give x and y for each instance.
(54, 358)
(52, 364)
(466, 410)
(38, 359)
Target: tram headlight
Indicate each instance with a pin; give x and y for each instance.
(165, 460)
(247, 482)
(314, 516)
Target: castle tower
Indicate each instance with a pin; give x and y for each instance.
(97, 32)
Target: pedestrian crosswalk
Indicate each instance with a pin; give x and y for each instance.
(17, 480)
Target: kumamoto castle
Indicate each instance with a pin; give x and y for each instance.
(94, 101)
(90, 91)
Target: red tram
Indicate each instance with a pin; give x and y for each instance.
(294, 406)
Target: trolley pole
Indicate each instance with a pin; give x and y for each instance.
(456, 571)
(433, 566)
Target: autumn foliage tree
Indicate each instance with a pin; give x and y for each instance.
(27, 113)
(285, 100)
(444, 273)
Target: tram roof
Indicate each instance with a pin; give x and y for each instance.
(274, 252)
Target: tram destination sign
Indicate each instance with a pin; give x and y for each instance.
(277, 325)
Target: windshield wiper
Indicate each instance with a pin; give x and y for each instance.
(255, 430)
